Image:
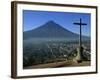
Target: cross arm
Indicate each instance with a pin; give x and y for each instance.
(80, 23)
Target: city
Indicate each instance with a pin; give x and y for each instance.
(54, 51)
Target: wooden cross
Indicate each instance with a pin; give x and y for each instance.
(80, 35)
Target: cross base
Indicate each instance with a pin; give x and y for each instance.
(79, 61)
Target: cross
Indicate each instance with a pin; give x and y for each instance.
(80, 36)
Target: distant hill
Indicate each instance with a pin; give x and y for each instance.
(50, 30)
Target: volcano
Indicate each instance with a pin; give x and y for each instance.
(50, 30)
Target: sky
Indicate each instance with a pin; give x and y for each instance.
(33, 19)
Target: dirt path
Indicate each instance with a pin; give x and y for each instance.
(59, 64)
